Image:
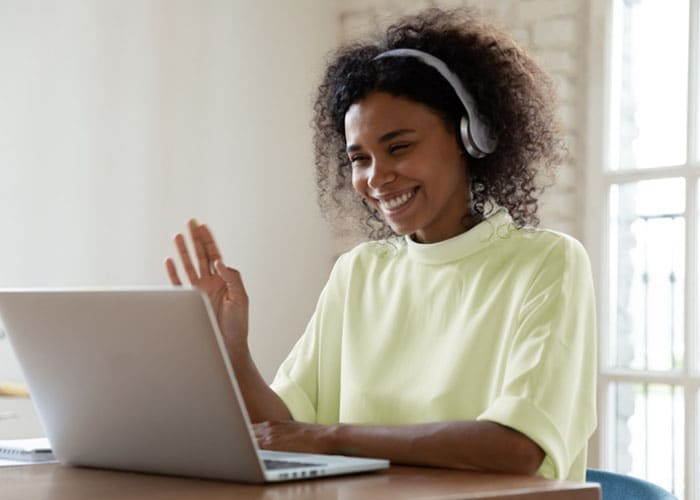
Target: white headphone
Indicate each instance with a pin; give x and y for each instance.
(477, 137)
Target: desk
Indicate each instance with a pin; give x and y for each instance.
(55, 482)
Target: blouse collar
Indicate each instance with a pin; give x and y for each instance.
(497, 225)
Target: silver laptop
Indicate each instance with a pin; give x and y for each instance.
(139, 380)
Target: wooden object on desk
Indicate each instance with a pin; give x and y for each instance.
(13, 389)
(58, 483)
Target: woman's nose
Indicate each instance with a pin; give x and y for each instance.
(379, 175)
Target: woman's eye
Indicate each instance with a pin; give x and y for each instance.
(397, 148)
(358, 160)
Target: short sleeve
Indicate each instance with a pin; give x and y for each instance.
(295, 382)
(308, 379)
(549, 386)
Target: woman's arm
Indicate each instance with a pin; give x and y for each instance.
(474, 445)
(224, 287)
(261, 401)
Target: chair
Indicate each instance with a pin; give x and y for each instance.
(615, 486)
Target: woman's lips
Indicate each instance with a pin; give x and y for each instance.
(395, 203)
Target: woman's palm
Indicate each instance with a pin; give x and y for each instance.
(222, 285)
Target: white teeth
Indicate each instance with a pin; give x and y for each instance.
(397, 202)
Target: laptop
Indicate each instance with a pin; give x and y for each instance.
(139, 380)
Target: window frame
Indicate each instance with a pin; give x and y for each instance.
(597, 233)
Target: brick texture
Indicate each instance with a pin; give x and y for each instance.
(555, 33)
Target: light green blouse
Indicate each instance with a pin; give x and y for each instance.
(495, 324)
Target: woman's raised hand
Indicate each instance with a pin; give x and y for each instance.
(222, 284)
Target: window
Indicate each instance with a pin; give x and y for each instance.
(646, 180)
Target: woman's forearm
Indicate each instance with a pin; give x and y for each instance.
(458, 445)
(260, 400)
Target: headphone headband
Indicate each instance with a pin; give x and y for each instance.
(478, 134)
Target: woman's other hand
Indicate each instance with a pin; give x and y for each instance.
(295, 436)
(222, 284)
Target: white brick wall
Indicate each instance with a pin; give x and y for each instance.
(555, 33)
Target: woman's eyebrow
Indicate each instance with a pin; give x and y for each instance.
(384, 138)
(395, 133)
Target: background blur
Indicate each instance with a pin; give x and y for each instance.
(121, 120)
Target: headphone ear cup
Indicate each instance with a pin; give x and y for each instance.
(467, 140)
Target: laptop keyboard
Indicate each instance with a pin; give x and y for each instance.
(286, 464)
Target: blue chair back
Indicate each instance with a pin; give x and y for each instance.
(615, 486)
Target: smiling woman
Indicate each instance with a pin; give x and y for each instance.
(452, 340)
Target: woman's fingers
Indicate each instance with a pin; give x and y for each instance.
(205, 264)
(185, 258)
(172, 272)
(206, 253)
(209, 243)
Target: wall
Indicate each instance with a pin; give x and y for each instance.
(121, 120)
(555, 32)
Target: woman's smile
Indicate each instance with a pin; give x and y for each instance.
(393, 204)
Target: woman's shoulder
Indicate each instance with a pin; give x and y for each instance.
(376, 248)
(372, 252)
(541, 239)
(551, 247)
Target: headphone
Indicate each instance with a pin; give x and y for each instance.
(477, 137)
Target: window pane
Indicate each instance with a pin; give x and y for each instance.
(647, 274)
(648, 433)
(649, 87)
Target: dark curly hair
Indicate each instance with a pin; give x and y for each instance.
(513, 96)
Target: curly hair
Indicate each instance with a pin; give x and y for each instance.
(513, 96)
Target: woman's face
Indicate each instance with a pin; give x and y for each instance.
(408, 166)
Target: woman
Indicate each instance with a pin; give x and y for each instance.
(461, 336)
